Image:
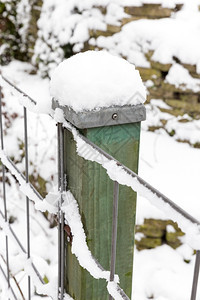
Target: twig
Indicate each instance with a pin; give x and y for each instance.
(15, 280)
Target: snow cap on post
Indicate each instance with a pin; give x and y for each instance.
(96, 88)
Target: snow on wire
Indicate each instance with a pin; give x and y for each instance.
(73, 219)
(50, 204)
(117, 172)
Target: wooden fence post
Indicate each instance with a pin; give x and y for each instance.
(117, 131)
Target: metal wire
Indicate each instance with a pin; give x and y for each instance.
(19, 90)
(61, 235)
(61, 253)
(17, 240)
(4, 216)
(23, 177)
(4, 190)
(59, 225)
(196, 276)
(145, 184)
(13, 293)
(134, 175)
(114, 232)
(122, 293)
(27, 199)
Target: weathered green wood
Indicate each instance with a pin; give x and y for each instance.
(93, 190)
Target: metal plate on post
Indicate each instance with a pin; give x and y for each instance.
(106, 116)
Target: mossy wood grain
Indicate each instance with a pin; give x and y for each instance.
(93, 189)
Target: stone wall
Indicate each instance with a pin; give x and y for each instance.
(154, 233)
(181, 100)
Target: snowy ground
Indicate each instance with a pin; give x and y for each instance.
(173, 168)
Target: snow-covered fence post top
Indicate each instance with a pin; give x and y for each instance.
(102, 96)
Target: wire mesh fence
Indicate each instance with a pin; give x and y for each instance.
(31, 194)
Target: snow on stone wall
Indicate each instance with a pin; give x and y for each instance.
(153, 35)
